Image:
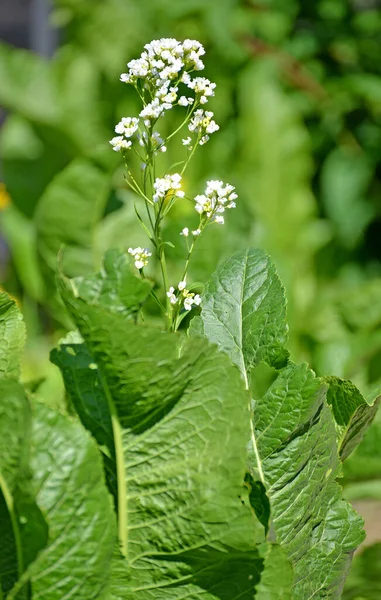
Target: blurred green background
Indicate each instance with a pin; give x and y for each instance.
(298, 101)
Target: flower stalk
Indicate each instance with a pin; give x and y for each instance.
(162, 77)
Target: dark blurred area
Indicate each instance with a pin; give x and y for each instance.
(298, 101)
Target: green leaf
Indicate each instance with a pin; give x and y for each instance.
(277, 575)
(27, 85)
(244, 311)
(72, 495)
(294, 452)
(353, 414)
(67, 215)
(20, 234)
(364, 581)
(345, 179)
(12, 337)
(14, 431)
(116, 287)
(185, 524)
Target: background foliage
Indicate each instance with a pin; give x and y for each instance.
(299, 105)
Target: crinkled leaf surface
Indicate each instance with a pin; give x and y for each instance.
(179, 415)
(293, 449)
(353, 414)
(14, 437)
(115, 287)
(296, 455)
(12, 337)
(72, 495)
(244, 311)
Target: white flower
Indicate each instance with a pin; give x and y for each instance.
(185, 232)
(197, 299)
(187, 141)
(140, 256)
(188, 303)
(202, 87)
(202, 123)
(196, 232)
(119, 143)
(167, 185)
(127, 126)
(182, 285)
(153, 110)
(216, 198)
(171, 295)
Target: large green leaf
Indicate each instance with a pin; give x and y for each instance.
(180, 423)
(244, 311)
(293, 449)
(353, 414)
(12, 337)
(72, 495)
(295, 455)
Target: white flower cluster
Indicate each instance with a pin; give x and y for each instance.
(167, 185)
(126, 128)
(140, 256)
(200, 85)
(162, 66)
(163, 59)
(187, 298)
(203, 124)
(216, 198)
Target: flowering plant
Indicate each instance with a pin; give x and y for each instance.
(202, 466)
(162, 77)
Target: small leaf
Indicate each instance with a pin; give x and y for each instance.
(116, 287)
(353, 414)
(12, 337)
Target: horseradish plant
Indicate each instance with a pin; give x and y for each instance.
(193, 465)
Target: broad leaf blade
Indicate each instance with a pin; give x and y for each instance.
(244, 311)
(353, 414)
(180, 425)
(297, 451)
(71, 492)
(12, 337)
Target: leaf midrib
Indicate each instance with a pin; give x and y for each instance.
(246, 378)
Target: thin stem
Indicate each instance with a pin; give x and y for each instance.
(189, 157)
